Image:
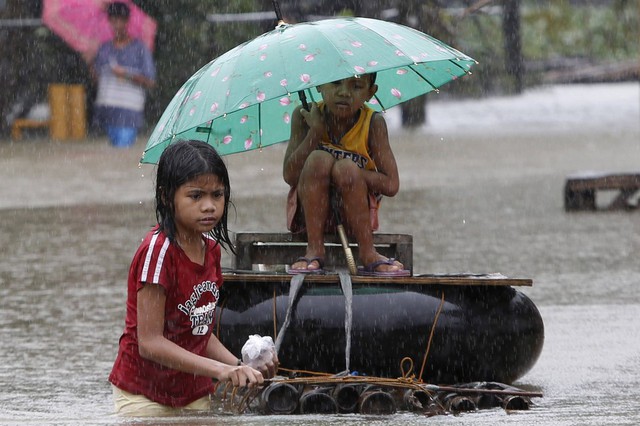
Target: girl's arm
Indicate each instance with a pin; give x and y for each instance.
(307, 128)
(216, 350)
(386, 180)
(154, 346)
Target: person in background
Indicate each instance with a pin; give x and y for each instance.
(168, 354)
(339, 158)
(124, 70)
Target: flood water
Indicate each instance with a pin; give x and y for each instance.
(482, 192)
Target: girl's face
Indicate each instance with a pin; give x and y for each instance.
(199, 205)
(345, 97)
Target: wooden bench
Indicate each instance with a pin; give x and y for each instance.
(284, 248)
(20, 124)
(580, 191)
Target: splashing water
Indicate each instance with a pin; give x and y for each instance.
(345, 283)
(294, 289)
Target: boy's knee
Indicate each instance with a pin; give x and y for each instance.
(345, 171)
(319, 161)
(320, 156)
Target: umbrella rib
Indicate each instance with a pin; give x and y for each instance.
(425, 79)
(380, 103)
(458, 65)
(431, 84)
(210, 132)
(259, 135)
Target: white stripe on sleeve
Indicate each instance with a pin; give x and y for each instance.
(147, 259)
(163, 250)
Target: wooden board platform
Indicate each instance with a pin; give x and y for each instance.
(423, 279)
(273, 251)
(580, 191)
(260, 248)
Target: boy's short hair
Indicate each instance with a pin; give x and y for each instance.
(373, 77)
(118, 9)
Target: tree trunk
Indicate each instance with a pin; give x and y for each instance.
(414, 112)
(514, 65)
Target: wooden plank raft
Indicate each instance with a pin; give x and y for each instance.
(580, 190)
(422, 279)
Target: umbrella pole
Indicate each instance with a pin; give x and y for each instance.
(303, 99)
(348, 254)
(351, 262)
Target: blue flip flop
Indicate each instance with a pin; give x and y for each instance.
(296, 271)
(370, 270)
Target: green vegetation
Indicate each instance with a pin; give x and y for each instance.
(605, 33)
(551, 32)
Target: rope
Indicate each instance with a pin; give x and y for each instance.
(312, 373)
(433, 329)
(407, 374)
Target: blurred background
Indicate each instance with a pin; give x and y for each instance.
(519, 44)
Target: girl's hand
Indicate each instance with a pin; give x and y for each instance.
(269, 368)
(242, 376)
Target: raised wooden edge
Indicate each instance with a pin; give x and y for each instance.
(458, 280)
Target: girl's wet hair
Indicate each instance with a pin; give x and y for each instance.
(180, 163)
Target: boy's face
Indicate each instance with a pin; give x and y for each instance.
(345, 97)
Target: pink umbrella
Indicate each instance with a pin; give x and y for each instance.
(84, 24)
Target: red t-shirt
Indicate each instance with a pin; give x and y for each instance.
(191, 295)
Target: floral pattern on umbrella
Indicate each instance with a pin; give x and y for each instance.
(244, 99)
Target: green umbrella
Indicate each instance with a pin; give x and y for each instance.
(244, 99)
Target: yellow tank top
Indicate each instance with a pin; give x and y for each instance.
(355, 143)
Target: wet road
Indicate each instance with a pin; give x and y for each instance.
(480, 194)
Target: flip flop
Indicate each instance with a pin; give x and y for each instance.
(370, 270)
(296, 271)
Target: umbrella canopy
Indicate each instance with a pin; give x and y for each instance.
(244, 99)
(84, 24)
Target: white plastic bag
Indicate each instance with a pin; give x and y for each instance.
(258, 351)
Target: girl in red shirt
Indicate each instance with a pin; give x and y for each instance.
(168, 355)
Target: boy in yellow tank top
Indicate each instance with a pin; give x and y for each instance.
(340, 147)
